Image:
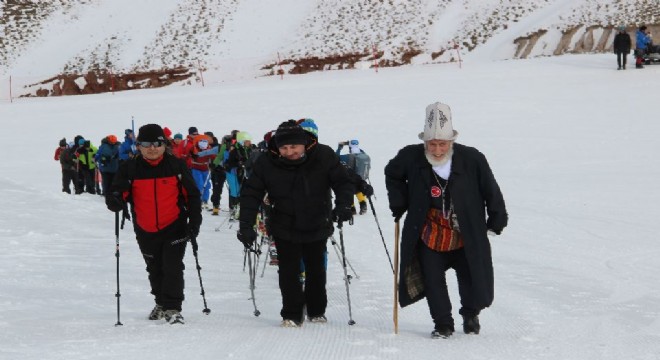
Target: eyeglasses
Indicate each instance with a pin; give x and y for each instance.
(147, 144)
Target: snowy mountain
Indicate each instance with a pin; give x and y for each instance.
(127, 44)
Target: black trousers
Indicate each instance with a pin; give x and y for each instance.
(88, 180)
(106, 181)
(69, 177)
(164, 259)
(621, 58)
(294, 297)
(218, 177)
(434, 267)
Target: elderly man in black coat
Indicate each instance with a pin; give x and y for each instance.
(297, 174)
(452, 200)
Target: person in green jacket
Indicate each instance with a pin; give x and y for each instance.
(85, 154)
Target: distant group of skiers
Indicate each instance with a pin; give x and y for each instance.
(643, 46)
(287, 181)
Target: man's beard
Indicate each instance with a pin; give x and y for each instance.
(439, 162)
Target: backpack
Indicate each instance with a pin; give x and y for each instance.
(360, 163)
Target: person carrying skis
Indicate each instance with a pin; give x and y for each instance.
(360, 163)
(166, 210)
(452, 200)
(298, 177)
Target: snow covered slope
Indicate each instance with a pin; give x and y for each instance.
(246, 38)
(571, 142)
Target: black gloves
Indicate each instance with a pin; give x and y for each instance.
(366, 189)
(114, 202)
(342, 213)
(192, 231)
(247, 236)
(397, 212)
(497, 229)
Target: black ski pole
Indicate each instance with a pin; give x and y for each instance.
(245, 256)
(336, 247)
(118, 294)
(267, 256)
(253, 274)
(193, 242)
(381, 233)
(369, 182)
(346, 279)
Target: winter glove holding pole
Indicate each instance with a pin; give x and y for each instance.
(192, 233)
(342, 213)
(397, 212)
(246, 235)
(366, 189)
(114, 202)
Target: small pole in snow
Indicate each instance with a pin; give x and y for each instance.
(112, 82)
(10, 97)
(457, 48)
(279, 62)
(375, 51)
(201, 75)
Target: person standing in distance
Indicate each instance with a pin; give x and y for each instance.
(622, 44)
(452, 200)
(297, 174)
(167, 213)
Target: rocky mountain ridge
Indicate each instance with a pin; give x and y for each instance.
(172, 40)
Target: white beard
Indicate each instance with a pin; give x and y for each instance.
(439, 162)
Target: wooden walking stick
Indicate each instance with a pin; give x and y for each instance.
(396, 277)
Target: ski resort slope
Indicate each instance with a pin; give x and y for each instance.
(571, 141)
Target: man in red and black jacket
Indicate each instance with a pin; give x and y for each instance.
(166, 209)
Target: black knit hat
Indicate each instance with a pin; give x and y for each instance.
(151, 132)
(192, 131)
(290, 133)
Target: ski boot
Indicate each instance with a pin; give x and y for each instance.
(363, 207)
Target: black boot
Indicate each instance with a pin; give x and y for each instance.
(442, 331)
(363, 207)
(471, 324)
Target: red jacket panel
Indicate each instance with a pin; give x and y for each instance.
(155, 200)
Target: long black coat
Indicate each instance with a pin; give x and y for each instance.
(299, 194)
(474, 193)
(622, 43)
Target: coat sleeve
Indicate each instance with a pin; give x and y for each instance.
(121, 183)
(494, 201)
(396, 182)
(341, 183)
(193, 196)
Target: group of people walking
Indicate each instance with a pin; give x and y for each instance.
(447, 190)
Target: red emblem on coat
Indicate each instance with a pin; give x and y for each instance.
(436, 191)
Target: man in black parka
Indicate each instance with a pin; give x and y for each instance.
(297, 174)
(452, 200)
(622, 44)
